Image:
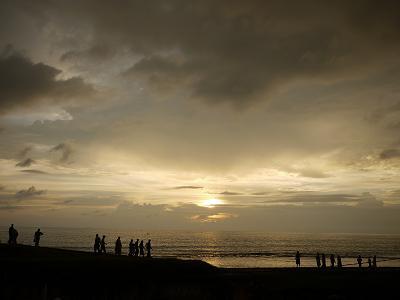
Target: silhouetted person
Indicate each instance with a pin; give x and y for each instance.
(318, 259)
(131, 248)
(332, 258)
(369, 262)
(118, 246)
(359, 261)
(12, 235)
(374, 262)
(136, 247)
(339, 261)
(148, 248)
(297, 259)
(141, 248)
(96, 246)
(103, 245)
(323, 261)
(36, 237)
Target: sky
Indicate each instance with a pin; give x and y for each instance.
(278, 116)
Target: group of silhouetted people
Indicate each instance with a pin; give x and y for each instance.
(371, 262)
(321, 261)
(13, 235)
(136, 249)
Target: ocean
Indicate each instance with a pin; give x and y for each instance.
(230, 249)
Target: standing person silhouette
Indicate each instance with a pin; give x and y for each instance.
(136, 246)
(369, 262)
(297, 259)
(374, 261)
(148, 249)
(318, 259)
(339, 261)
(332, 259)
(12, 235)
(36, 237)
(323, 261)
(141, 248)
(96, 246)
(359, 261)
(118, 246)
(131, 248)
(103, 245)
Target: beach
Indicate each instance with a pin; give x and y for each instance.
(48, 273)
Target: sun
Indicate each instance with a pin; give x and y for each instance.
(211, 202)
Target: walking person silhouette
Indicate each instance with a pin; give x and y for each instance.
(318, 259)
(36, 237)
(103, 245)
(136, 246)
(339, 261)
(359, 261)
(332, 259)
(96, 246)
(323, 261)
(374, 261)
(141, 248)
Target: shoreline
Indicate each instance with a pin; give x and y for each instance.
(32, 273)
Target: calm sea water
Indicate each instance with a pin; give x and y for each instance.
(229, 249)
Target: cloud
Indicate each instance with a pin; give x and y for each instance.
(24, 152)
(389, 154)
(25, 84)
(34, 171)
(96, 53)
(190, 187)
(65, 150)
(29, 193)
(25, 163)
(239, 52)
(367, 200)
(228, 193)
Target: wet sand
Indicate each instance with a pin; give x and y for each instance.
(47, 273)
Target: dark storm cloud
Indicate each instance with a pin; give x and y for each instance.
(236, 51)
(389, 153)
(65, 150)
(25, 163)
(28, 193)
(25, 84)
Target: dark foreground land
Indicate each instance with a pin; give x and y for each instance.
(45, 273)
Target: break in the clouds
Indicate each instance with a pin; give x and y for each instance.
(211, 112)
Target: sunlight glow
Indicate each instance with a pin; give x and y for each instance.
(211, 203)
